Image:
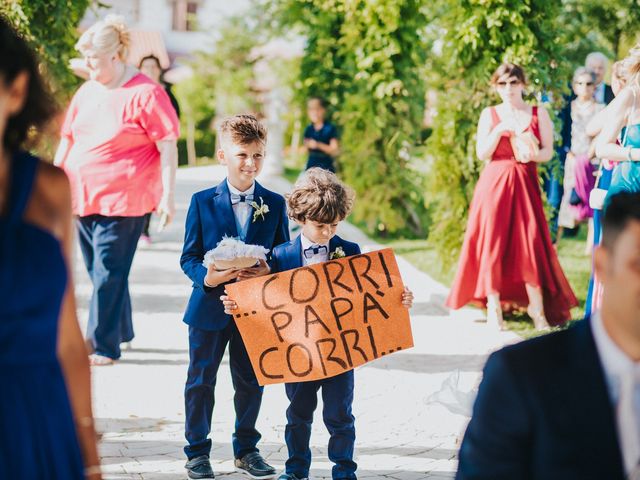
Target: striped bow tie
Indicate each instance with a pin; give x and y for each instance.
(235, 198)
(314, 250)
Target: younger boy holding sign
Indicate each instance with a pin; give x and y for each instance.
(238, 207)
(318, 203)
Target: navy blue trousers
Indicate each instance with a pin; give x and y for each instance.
(337, 398)
(206, 349)
(108, 245)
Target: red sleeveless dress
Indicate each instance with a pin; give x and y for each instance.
(507, 242)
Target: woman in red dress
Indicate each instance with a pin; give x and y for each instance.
(507, 258)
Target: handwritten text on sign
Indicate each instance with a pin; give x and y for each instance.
(321, 320)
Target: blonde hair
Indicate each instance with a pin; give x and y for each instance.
(319, 196)
(632, 63)
(619, 70)
(106, 36)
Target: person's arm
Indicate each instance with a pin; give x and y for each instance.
(546, 136)
(169, 163)
(594, 127)
(497, 444)
(282, 230)
(62, 151)
(614, 120)
(486, 138)
(71, 349)
(193, 254)
(332, 148)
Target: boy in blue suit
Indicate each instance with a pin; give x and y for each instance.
(318, 203)
(236, 208)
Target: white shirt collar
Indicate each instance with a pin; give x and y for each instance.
(248, 191)
(615, 362)
(306, 243)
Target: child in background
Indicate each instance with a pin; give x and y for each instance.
(320, 137)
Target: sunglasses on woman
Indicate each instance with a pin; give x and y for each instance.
(513, 83)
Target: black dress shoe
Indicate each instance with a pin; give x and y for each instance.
(199, 467)
(254, 465)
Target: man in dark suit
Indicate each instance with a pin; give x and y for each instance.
(597, 62)
(567, 405)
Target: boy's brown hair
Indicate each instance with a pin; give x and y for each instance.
(242, 130)
(319, 196)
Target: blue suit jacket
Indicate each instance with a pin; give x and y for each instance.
(211, 217)
(289, 255)
(543, 412)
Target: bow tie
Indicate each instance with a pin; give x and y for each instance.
(236, 198)
(314, 250)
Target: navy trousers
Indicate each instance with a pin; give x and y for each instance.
(206, 349)
(108, 245)
(337, 397)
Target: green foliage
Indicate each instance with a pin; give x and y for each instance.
(362, 55)
(609, 25)
(476, 36)
(50, 27)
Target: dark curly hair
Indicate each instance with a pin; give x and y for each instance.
(39, 107)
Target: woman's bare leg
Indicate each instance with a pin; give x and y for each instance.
(536, 307)
(494, 311)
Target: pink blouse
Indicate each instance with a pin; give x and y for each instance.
(113, 163)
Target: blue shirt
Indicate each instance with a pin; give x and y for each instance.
(317, 158)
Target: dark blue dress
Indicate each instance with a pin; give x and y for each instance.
(37, 433)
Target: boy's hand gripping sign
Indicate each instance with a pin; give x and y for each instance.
(321, 320)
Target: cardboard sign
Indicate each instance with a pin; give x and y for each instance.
(321, 320)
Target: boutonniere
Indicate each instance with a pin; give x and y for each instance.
(259, 210)
(337, 253)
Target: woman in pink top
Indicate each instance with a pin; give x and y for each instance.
(118, 148)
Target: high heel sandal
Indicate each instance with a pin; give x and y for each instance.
(539, 320)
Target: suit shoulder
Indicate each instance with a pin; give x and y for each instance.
(541, 352)
(274, 198)
(349, 246)
(204, 194)
(279, 249)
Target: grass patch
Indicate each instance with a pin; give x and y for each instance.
(576, 266)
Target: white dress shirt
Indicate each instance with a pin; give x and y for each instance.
(623, 381)
(318, 257)
(242, 210)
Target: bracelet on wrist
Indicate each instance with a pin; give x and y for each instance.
(629, 149)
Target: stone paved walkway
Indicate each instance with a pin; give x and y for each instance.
(403, 433)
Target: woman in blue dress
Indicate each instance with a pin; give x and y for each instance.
(619, 78)
(46, 423)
